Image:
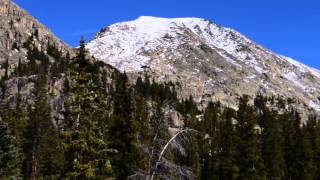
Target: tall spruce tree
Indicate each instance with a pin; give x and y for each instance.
(123, 131)
(228, 168)
(84, 142)
(249, 159)
(272, 145)
(210, 125)
(10, 156)
(144, 133)
(313, 128)
(40, 147)
(293, 146)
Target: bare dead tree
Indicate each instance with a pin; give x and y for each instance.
(166, 146)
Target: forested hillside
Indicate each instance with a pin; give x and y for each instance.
(78, 118)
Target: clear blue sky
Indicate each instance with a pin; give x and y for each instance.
(288, 27)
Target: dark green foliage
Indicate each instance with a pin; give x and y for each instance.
(3, 88)
(228, 168)
(142, 118)
(15, 46)
(165, 93)
(53, 51)
(111, 129)
(4, 78)
(123, 130)
(10, 157)
(42, 158)
(211, 130)
(248, 156)
(188, 106)
(39, 61)
(192, 158)
(84, 142)
(313, 129)
(272, 145)
(81, 59)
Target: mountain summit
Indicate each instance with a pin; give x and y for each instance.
(205, 60)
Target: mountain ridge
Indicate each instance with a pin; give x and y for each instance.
(162, 45)
(17, 26)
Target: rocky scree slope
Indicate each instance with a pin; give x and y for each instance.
(205, 60)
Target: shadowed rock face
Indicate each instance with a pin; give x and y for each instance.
(16, 26)
(205, 60)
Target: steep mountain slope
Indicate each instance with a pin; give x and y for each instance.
(24, 41)
(205, 60)
(16, 26)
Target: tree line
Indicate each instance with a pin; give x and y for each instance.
(115, 130)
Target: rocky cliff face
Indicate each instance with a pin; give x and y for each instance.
(16, 26)
(205, 60)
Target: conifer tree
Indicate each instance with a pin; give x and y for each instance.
(228, 168)
(313, 128)
(10, 157)
(42, 158)
(139, 87)
(306, 156)
(123, 131)
(293, 146)
(84, 142)
(248, 157)
(272, 145)
(193, 157)
(142, 119)
(210, 125)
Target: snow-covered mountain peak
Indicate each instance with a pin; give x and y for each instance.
(127, 40)
(207, 60)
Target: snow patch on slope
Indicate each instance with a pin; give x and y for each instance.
(302, 67)
(315, 106)
(291, 76)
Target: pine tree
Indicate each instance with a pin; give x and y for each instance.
(313, 128)
(210, 124)
(249, 159)
(10, 157)
(139, 87)
(192, 158)
(293, 145)
(81, 59)
(228, 168)
(306, 156)
(42, 158)
(142, 119)
(84, 142)
(4, 78)
(272, 141)
(123, 131)
(15, 119)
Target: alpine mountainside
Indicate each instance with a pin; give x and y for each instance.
(205, 60)
(17, 26)
(66, 115)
